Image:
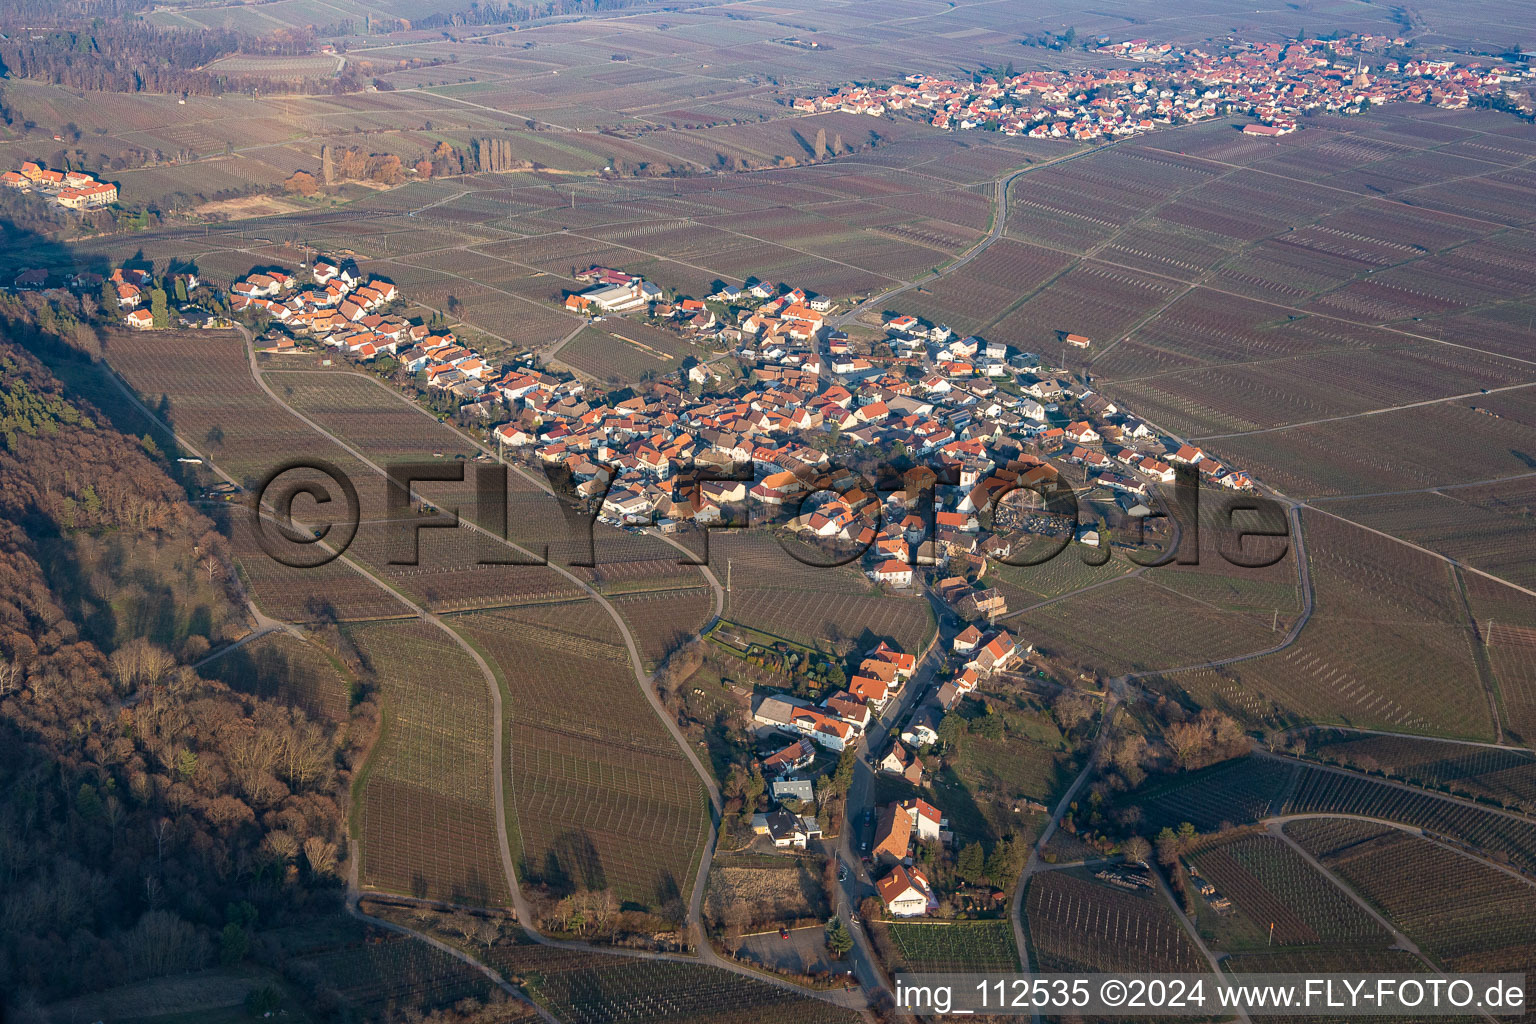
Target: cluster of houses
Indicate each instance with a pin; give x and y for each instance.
(988, 416)
(1273, 82)
(976, 411)
(74, 190)
(840, 719)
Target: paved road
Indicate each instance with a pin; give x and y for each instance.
(860, 799)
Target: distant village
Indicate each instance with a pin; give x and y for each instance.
(73, 190)
(1275, 83)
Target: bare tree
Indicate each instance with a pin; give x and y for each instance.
(140, 663)
(1136, 850)
(320, 854)
(1186, 740)
(282, 845)
(488, 932)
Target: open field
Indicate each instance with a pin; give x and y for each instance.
(791, 890)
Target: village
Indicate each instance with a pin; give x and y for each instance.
(73, 190)
(1275, 83)
(984, 418)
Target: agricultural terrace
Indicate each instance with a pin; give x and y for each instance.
(284, 667)
(1488, 925)
(941, 946)
(425, 814)
(603, 798)
(1270, 882)
(1078, 925)
(589, 988)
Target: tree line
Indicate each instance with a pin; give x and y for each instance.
(152, 820)
(135, 56)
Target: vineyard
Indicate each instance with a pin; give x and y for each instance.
(603, 798)
(286, 668)
(1488, 527)
(1269, 882)
(664, 620)
(1235, 792)
(368, 415)
(845, 620)
(1321, 791)
(958, 946)
(1388, 645)
(1506, 776)
(201, 383)
(588, 988)
(1489, 924)
(395, 974)
(1133, 625)
(1078, 925)
(425, 815)
(1511, 652)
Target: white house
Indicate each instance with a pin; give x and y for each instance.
(906, 892)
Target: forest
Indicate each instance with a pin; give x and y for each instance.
(135, 56)
(152, 820)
